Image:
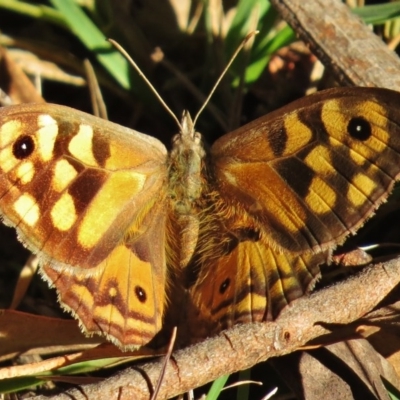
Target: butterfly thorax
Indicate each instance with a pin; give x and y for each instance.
(186, 169)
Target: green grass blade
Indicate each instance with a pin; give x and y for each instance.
(378, 14)
(243, 391)
(264, 50)
(13, 385)
(39, 11)
(216, 387)
(393, 392)
(83, 27)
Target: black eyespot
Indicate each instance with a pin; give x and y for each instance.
(140, 294)
(359, 128)
(23, 147)
(224, 285)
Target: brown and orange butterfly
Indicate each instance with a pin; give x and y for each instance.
(120, 224)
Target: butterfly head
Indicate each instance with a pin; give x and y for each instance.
(188, 140)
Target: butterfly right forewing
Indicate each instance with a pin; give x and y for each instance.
(310, 173)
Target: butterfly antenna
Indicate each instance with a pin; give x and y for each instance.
(139, 71)
(240, 47)
(153, 89)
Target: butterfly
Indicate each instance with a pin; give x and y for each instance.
(126, 230)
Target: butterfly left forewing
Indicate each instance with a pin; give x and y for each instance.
(81, 193)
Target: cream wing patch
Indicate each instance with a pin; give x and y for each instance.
(319, 160)
(64, 174)
(303, 133)
(46, 136)
(63, 213)
(7, 159)
(26, 172)
(81, 145)
(324, 201)
(365, 183)
(9, 131)
(27, 209)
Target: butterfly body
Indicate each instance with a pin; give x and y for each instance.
(120, 225)
(185, 187)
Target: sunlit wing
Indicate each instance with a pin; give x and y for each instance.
(312, 172)
(86, 195)
(250, 282)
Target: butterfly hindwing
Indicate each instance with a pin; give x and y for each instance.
(250, 283)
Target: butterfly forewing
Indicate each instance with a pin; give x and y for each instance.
(85, 195)
(312, 172)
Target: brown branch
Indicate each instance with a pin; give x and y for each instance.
(342, 42)
(243, 346)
